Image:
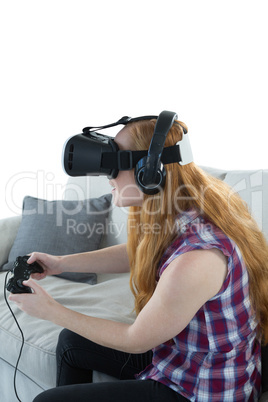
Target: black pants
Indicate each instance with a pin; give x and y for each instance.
(77, 357)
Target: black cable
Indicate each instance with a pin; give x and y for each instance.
(22, 336)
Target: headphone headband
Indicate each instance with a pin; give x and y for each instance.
(151, 169)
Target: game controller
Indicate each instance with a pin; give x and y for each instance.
(21, 272)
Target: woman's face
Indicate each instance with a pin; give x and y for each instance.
(125, 191)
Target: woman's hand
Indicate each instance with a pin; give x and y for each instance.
(49, 263)
(38, 304)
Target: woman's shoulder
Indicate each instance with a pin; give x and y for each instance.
(196, 232)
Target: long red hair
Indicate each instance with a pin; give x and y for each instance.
(151, 227)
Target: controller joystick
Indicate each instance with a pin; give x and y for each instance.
(22, 272)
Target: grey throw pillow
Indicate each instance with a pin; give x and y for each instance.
(60, 228)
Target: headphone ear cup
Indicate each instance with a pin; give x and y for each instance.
(151, 188)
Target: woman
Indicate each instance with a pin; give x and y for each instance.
(199, 273)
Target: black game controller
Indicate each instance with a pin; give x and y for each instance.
(21, 272)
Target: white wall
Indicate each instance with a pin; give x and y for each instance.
(66, 64)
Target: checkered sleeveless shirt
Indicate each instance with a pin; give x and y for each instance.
(217, 356)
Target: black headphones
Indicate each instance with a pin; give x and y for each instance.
(150, 172)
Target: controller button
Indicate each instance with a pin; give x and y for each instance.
(19, 283)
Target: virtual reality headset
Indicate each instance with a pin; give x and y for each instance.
(94, 154)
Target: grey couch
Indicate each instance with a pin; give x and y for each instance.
(109, 296)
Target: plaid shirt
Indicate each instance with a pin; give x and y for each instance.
(217, 356)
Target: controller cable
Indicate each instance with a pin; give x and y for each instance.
(22, 336)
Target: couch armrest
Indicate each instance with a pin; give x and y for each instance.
(8, 231)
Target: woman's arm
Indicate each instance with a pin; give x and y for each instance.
(112, 259)
(187, 283)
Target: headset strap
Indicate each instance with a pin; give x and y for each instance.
(127, 160)
(124, 120)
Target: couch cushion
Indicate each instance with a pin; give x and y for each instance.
(79, 188)
(252, 186)
(111, 299)
(61, 227)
